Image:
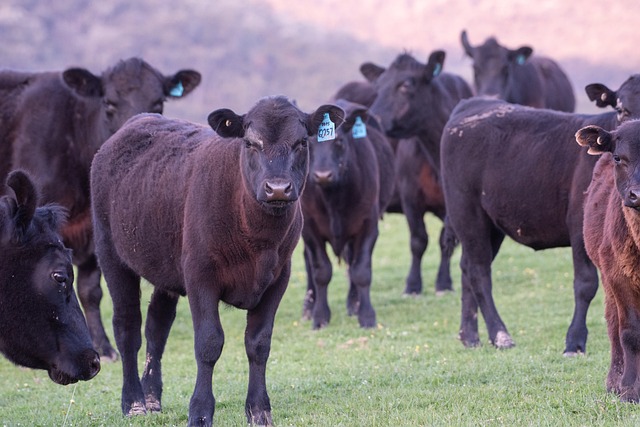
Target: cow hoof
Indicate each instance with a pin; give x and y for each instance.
(261, 420)
(573, 353)
(444, 292)
(137, 408)
(108, 356)
(153, 405)
(503, 340)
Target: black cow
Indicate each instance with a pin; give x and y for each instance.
(414, 101)
(52, 123)
(612, 240)
(41, 324)
(516, 171)
(351, 181)
(517, 76)
(213, 217)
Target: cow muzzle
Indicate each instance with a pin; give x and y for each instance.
(632, 198)
(279, 191)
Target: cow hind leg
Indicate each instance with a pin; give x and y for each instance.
(419, 240)
(160, 317)
(448, 244)
(360, 274)
(617, 354)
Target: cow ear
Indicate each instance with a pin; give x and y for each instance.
(83, 82)
(603, 96)
(597, 139)
(336, 114)
(350, 119)
(468, 49)
(520, 55)
(371, 71)
(226, 123)
(434, 65)
(182, 83)
(26, 199)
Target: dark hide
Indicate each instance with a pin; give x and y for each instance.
(51, 124)
(518, 76)
(211, 216)
(351, 180)
(510, 170)
(42, 324)
(612, 240)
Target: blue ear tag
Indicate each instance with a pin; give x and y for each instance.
(437, 70)
(177, 90)
(359, 129)
(327, 129)
(520, 59)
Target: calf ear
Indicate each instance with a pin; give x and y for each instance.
(597, 139)
(371, 71)
(469, 50)
(603, 96)
(354, 113)
(182, 83)
(434, 65)
(226, 123)
(83, 82)
(26, 199)
(336, 114)
(520, 55)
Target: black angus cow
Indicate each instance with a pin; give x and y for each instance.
(414, 100)
(211, 216)
(511, 170)
(52, 123)
(41, 323)
(518, 76)
(612, 240)
(350, 184)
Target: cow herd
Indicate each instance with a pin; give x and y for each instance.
(97, 177)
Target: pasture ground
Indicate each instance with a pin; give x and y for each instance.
(410, 371)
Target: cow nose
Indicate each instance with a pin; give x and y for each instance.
(633, 198)
(322, 177)
(278, 190)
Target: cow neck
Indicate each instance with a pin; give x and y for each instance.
(257, 224)
(430, 140)
(89, 130)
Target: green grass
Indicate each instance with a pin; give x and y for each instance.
(410, 371)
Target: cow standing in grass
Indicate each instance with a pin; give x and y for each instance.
(612, 240)
(211, 216)
(41, 324)
(51, 125)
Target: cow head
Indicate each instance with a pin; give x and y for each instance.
(275, 152)
(42, 324)
(625, 100)
(130, 87)
(494, 65)
(330, 159)
(624, 146)
(406, 93)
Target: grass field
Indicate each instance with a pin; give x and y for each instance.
(410, 371)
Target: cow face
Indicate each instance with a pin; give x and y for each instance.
(330, 160)
(625, 100)
(43, 326)
(129, 88)
(624, 146)
(406, 94)
(493, 65)
(275, 152)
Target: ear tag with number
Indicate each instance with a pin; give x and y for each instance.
(177, 90)
(327, 129)
(359, 129)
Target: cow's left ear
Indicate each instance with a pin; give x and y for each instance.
(336, 114)
(181, 83)
(597, 139)
(434, 65)
(226, 123)
(371, 71)
(520, 55)
(25, 201)
(83, 82)
(603, 96)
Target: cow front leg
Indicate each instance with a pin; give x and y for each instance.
(448, 244)
(419, 240)
(320, 268)
(616, 366)
(160, 317)
(360, 273)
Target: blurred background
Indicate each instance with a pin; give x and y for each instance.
(246, 49)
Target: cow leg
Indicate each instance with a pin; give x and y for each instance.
(160, 316)
(629, 329)
(310, 295)
(90, 294)
(419, 240)
(258, 346)
(208, 342)
(360, 272)
(320, 268)
(447, 246)
(616, 366)
(585, 286)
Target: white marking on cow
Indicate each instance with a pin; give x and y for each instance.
(503, 340)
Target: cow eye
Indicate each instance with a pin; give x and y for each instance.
(110, 107)
(304, 142)
(407, 85)
(157, 106)
(616, 158)
(60, 277)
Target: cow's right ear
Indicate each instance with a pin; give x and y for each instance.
(25, 202)
(597, 139)
(83, 82)
(336, 114)
(434, 65)
(226, 123)
(182, 83)
(468, 49)
(520, 55)
(603, 96)
(371, 71)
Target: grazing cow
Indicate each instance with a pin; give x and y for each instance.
(511, 170)
(351, 181)
(414, 101)
(42, 326)
(612, 240)
(211, 216)
(517, 76)
(51, 124)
